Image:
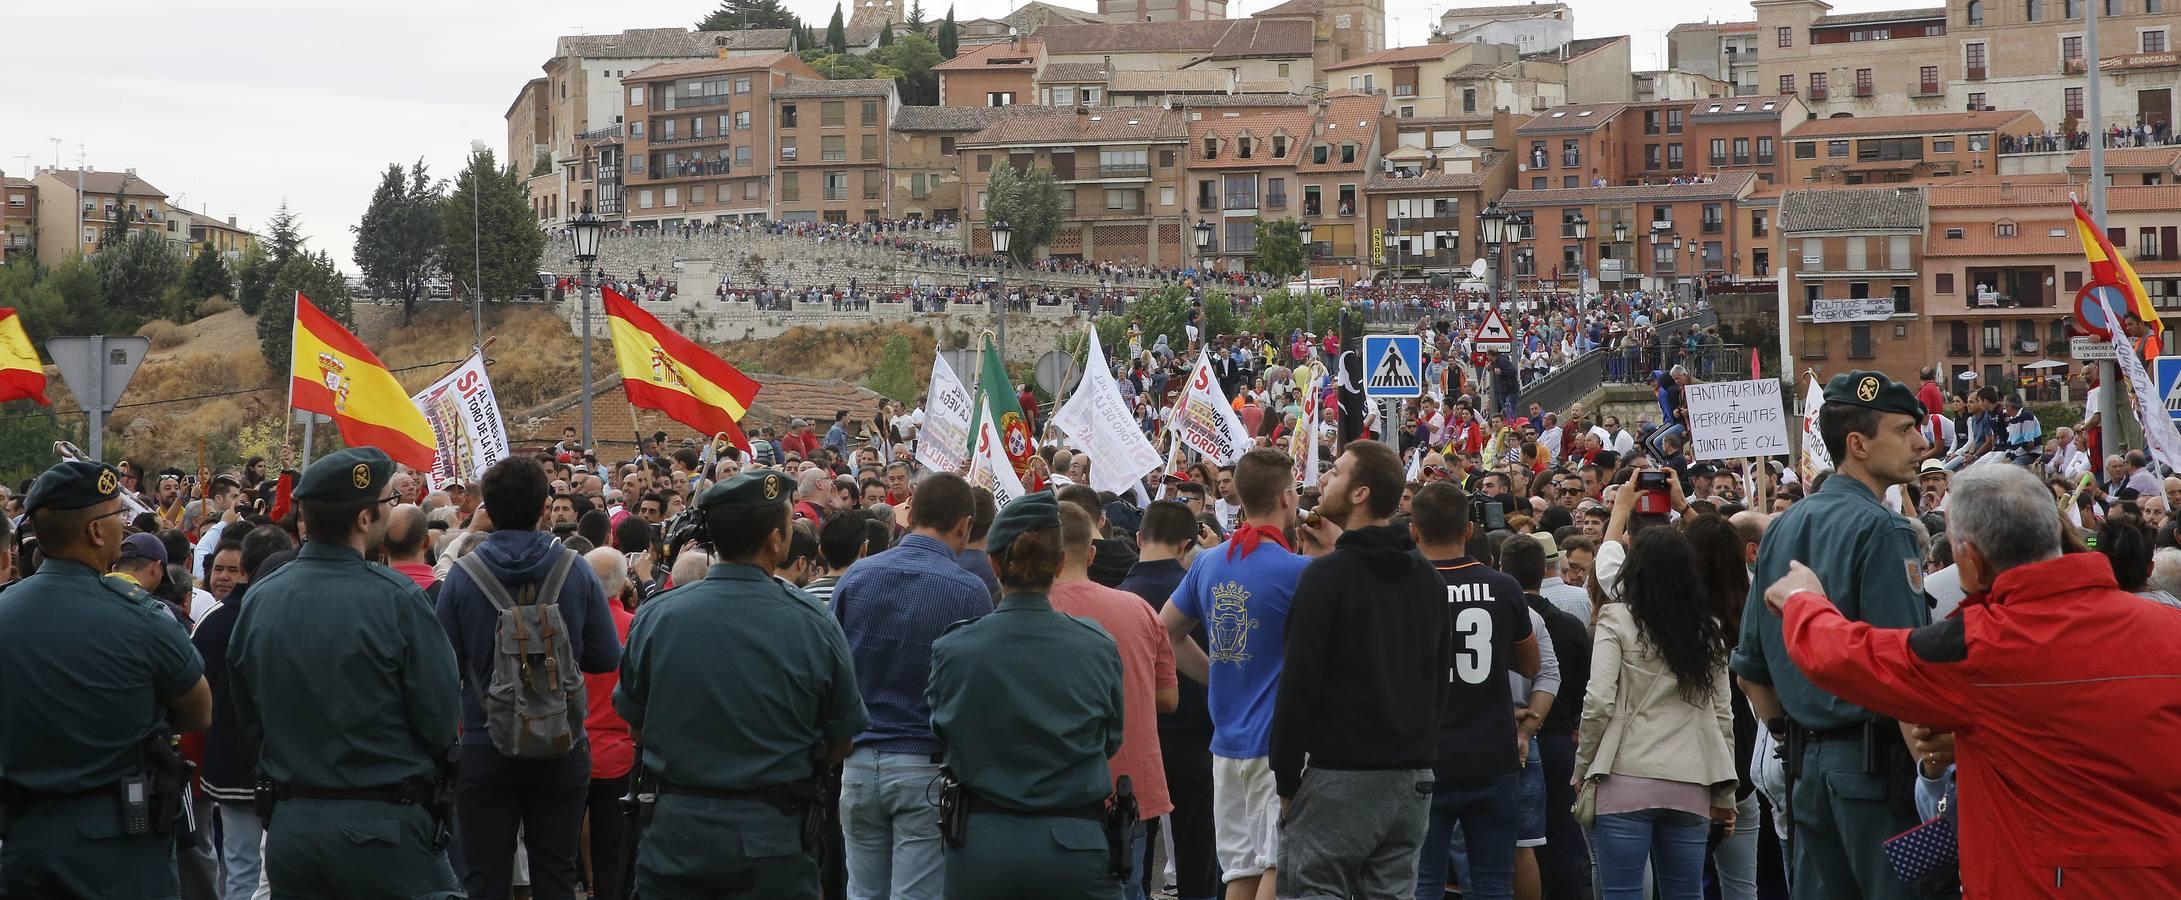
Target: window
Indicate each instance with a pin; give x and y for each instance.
(1673, 121)
(2071, 49)
(2033, 10)
(742, 156)
(1469, 100)
(836, 185)
(1719, 151)
(1976, 12)
(1976, 101)
(2074, 9)
(946, 146)
(644, 199)
(1283, 70)
(2003, 229)
(1942, 145)
(742, 121)
(2074, 102)
(1786, 37)
(1241, 236)
(1764, 151)
(787, 115)
(984, 162)
(1123, 163)
(673, 197)
(636, 94)
(1279, 146)
(1836, 149)
(1244, 147)
(999, 98)
(870, 112)
(874, 181)
(1715, 220)
(1805, 149)
(1817, 86)
(1974, 55)
(833, 148)
(1166, 196)
(742, 85)
(1927, 81)
(2114, 8)
(833, 113)
(919, 188)
(1944, 284)
(1673, 156)
(1990, 333)
(1313, 203)
(1787, 84)
(1211, 146)
(1760, 224)
(1318, 154)
(1862, 82)
(791, 186)
(1650, 121)
(1166, 159)
(1125, 199)
(2154, 41)
(1275, 193)
(1650, 157)
(1347, 153)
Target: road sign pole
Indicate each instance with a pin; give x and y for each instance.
(94, 409)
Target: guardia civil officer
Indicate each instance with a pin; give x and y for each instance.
(95, 676)
(1028, 704)
(1851, 788)
(739, 689)
(344, 681)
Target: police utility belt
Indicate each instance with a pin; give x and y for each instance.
(1118, 818)
(154, 800)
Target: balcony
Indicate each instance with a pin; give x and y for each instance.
(674, 140)
(1976, 73)
(1741, 159)
(1124, 170)
(1571, 160)
(1275, 201)
(1241, 201)
(610, 131)
(1764, 159)
(667, 101)
(1714, 227)
(833, 195)
(1862, 90)
(1312, 210)
(1818, 93)
(1719, 161)
(787, 154)
(697, 169)
(1926, 89)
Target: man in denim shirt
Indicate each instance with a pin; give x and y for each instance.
(892, 606)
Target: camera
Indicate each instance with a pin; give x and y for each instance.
(1488, 513)
(1652, 493)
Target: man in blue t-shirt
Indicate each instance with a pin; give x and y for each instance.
(1241, 590)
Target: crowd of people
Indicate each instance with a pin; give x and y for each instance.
(1484, 648)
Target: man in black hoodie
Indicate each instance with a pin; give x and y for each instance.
(1367, 655)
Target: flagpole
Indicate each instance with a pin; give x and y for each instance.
(295, 332)
(2094, 109)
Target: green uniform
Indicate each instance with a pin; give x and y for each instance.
(735, 683)
(1028, 703)
(84, 664)
(1868, 558)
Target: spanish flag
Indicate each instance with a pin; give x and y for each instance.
(2109, 269)
(664, 371)
(21, 374)
(333, 373)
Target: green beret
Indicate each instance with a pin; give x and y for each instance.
(74, 484)
(748, 491)
(1028, 512)
(1873, 390)
(350, 474)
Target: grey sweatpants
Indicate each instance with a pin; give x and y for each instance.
(1354, 835)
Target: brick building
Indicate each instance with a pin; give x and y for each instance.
(1428, 205)
(1890, 149)
(1856, 243)
(829, 159)
(997, 74)
(18, 217)
(1651, 236)
(1734, 134)
(1583, 145)
(700, 144)
(922, 159)
(1121, 174)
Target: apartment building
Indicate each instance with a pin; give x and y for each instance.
(1973, 55)
(1244, 168)
(1650, 236)
(18, 217)
(1890, 149)
(1725, 51)
(1341, 30)
(1262, 55)
(830, 161)
(1742, 133)
(227, 238)
(1427, 204)
(76, 208)
(1584, 145)
(2130, 166)
(1530, 27)
(1418, 80)
(1121, 174)
(700, 142)
(1672, 84)
(1341, 159)
(1857, 243)
(923, 160)
(529, 126)
(997, 74)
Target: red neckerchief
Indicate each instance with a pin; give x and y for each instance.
(1245, 539)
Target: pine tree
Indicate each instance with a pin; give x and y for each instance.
(503, 244)
(916, 17)
(398, 240)
(734, 15)
(895, 377)
(950, 36)
(836, 33)
(207, 276)
(886, 34)
(283, 236)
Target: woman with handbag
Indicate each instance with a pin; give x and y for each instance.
(1656, 759)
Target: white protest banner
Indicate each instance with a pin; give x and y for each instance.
(942, 442)
(989, 467)
(2159, 435)
(1302, 446)
(1814, 457)
(465, 417)
(1098, 420)
(1866, 309)
(1728, 419)
(1205, 422)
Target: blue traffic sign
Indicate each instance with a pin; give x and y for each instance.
(2166, 371)
(1393, 365)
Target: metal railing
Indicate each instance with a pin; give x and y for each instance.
(1571, 382)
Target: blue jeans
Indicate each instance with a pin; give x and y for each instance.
(1530, 800)
(890, 826)
(1673, 842)
(242, 836)
(1484, 812)
(1735, 859)
(1139, 846)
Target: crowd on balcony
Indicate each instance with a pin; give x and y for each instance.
(2142, 134)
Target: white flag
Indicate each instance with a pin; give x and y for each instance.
(1205, 422)
(942, 442)
(465, 416)
(1098, 420)
(1814, 457)
(989, 467)
(2159, 434)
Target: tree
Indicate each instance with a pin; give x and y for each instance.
(503, 242)
(950, 35)
(895, 377)
(734, 15)
(207, 276)
(1030, 202)
(1280, 248)
(253, 277)
(842, 66)
(398, 241)
(314, 276)
(913, 55)
(886, 34)
(134, 275)
(1165, 311)
(916, 17)
(283, 236)
(836, 33)
(1283, 313)
(59, 300)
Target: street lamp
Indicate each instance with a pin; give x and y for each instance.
(1310, 310)
(1492, 226)
(1658, 239)
(1002, 237)
(1204, 242)
(584, 232)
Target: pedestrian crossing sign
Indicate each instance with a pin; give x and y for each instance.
(1493, 332)
(2166, 371)
(1394, 364)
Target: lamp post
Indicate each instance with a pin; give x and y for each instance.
(1581, 227)
(1204, 243)
(1492, 226)
(1658, 239)
(1310, 310)
(1002, 237)
(584, 231)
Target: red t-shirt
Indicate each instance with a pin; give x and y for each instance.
(1147, 664)
(1932, 398)
(613, 754)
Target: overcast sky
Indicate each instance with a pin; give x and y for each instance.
(234, 106)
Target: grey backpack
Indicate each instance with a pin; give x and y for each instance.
(534, 698)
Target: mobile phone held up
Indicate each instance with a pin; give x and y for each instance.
(1652, 494)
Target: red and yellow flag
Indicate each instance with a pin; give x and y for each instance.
(21, 374)
(334, 374)
(664, 371)
(2109, 269)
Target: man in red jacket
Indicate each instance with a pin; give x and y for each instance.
(2060, 689)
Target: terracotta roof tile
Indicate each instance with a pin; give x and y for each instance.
(1573, 117)
(844, 87)
(1220, 38)
(2032, 238)
(963, 118)
(1201, 80)
(1228, 101)
(1884, 15)
(95, 182)
(1261, 127)
(657, 71)
(1939, 123)
(1106, 124)
(1072, 71)
(2001, 193)
(979, 59)
(1398, 55)
(2164, 158)
(1350, 116)
(1740, 107)
(1725, 187)
(1852, 209)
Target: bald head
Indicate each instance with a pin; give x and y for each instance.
(1749, 525)
(689, 568)
(612, 569)
(406, 530)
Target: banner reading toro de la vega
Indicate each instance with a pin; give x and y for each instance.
(1205, 422)
(465, 417)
